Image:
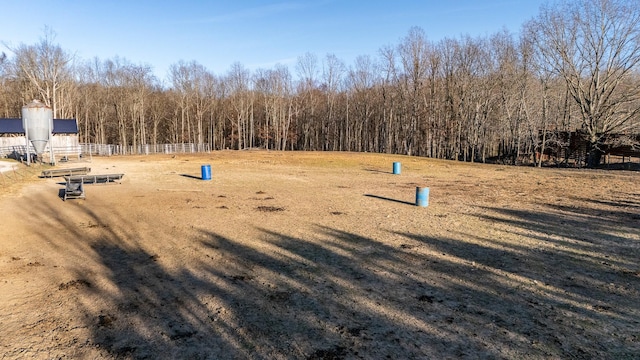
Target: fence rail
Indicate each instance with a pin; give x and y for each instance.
(17, 151)
(146, 149)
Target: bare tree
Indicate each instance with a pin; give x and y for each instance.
(275, 87)
(128, 88)
(194, 85)
(414, 55)
(238, 80)
(10, 101)
(333, 70)
(390, 97)
(182, 84)
(594, 45)
(307, 69)
(140, 84)
(362, 79)
(46, 66)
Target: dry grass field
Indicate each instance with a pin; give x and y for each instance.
(320, 256)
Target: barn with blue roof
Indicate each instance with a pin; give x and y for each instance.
(64, 140)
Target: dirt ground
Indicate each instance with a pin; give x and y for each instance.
(320, 256)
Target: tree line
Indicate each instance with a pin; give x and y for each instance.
(573, 67)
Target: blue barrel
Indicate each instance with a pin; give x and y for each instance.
(422, 196)
(396, 168)
(206, 172)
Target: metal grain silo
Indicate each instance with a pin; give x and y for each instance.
(37, 120)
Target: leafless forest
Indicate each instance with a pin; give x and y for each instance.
(573, 67)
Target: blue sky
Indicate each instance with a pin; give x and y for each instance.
(257, 34)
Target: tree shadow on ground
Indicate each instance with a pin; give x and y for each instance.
(344, 295)
(576, 282)
(348, 297)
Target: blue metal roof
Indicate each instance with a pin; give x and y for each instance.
(65, 126)
(60, 126)
(11, 126)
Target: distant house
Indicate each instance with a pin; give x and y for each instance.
(64, 139)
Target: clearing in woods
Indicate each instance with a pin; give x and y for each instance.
(320, 256)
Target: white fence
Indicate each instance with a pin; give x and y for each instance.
(145, 149)
(16, 151)
(16, 146)
(82, 150)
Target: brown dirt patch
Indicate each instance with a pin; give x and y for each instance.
(321, 256)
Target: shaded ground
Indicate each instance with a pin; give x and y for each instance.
(321, 256)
